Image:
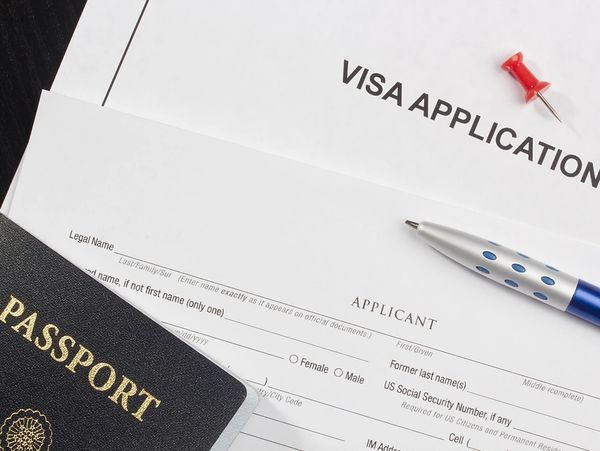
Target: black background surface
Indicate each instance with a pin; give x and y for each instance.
(34, 35)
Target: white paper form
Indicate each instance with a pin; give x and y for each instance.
(308, 284)
(270, 75)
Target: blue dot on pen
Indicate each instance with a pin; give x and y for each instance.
(541, 296)
(523, 255)
(511, 283)
(552, 268)
(548, 280)
(518, 268)
(489, 255)
(483, 269)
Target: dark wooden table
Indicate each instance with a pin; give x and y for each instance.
(34, 35)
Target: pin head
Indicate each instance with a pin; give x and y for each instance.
(532, 86)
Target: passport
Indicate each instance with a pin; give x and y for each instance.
(82, 369)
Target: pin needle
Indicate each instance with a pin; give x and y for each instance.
(552, 110)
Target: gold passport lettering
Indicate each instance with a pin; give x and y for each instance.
(102, 376)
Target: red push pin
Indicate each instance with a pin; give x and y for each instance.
(532, 86)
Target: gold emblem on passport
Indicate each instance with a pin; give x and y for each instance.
(26, 430)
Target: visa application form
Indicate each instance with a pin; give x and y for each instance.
(307, 283)
(410, 95)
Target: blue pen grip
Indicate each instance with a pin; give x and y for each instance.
(585, 302)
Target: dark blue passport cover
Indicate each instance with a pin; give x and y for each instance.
(82, 369)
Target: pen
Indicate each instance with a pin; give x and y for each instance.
(515, 270)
